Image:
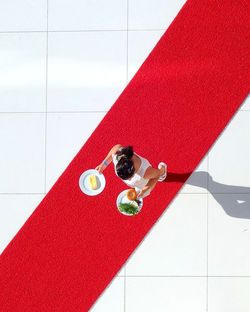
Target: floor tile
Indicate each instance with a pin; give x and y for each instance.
(112, 298)
(87, 15)
(22, 72)
(246, 103)
(14, 211)
(140, 44)
(228, 294)
(66, 134)
(164, 12)
(22, 158)
(228, 235)
(23, 15)
(229, 157)
(122, 271)
(87, 71)
(161, 294)
(177, 243)
(198, 181)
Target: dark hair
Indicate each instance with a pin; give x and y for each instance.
(125, 168)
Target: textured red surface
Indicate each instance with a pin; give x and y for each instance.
(173, 110)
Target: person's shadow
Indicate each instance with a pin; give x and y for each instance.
(235, 200)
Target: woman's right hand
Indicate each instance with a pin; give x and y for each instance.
(100, 168)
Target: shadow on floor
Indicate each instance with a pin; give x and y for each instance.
(235, 200)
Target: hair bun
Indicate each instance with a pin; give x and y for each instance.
(121, 156)
(126, 151)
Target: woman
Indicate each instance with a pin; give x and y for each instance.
(133, 169)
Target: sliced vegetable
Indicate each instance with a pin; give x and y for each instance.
(128, 208)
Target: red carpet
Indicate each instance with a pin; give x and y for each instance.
(173, 110)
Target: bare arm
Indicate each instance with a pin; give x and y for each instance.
(153, 175)
(149, 186)
(108, 158)
(113, 150)
(151, 183)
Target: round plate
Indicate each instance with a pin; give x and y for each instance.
(122, 198)
(84, 185)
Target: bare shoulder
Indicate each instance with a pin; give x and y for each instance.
(115, 148)
(137, 161)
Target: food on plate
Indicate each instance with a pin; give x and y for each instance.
(131, 194)
(93, 181)
(128, 208)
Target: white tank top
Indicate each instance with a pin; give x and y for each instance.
(137, 181)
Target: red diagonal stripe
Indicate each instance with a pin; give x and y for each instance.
(173, 110)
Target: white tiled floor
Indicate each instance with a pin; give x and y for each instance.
(228, 294)
(163, 294)
(22, 158)
(55, 87)
(179, 232)
(234, 169)
(246, 104)
(22, 72)
(87, 15)
(86, 70)
(14, 211)
(140, 44)
(25, 15)
(148, 14)
(66, 133)
(228, 236)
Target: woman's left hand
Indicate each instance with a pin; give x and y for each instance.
(142, 192)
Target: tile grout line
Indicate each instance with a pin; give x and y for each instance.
(77, 30)
(73, 112)
(46, 100)
(54, 112)
(185, 276)
(22, 193)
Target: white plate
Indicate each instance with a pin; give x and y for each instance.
(122, 198)
(84, 185)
